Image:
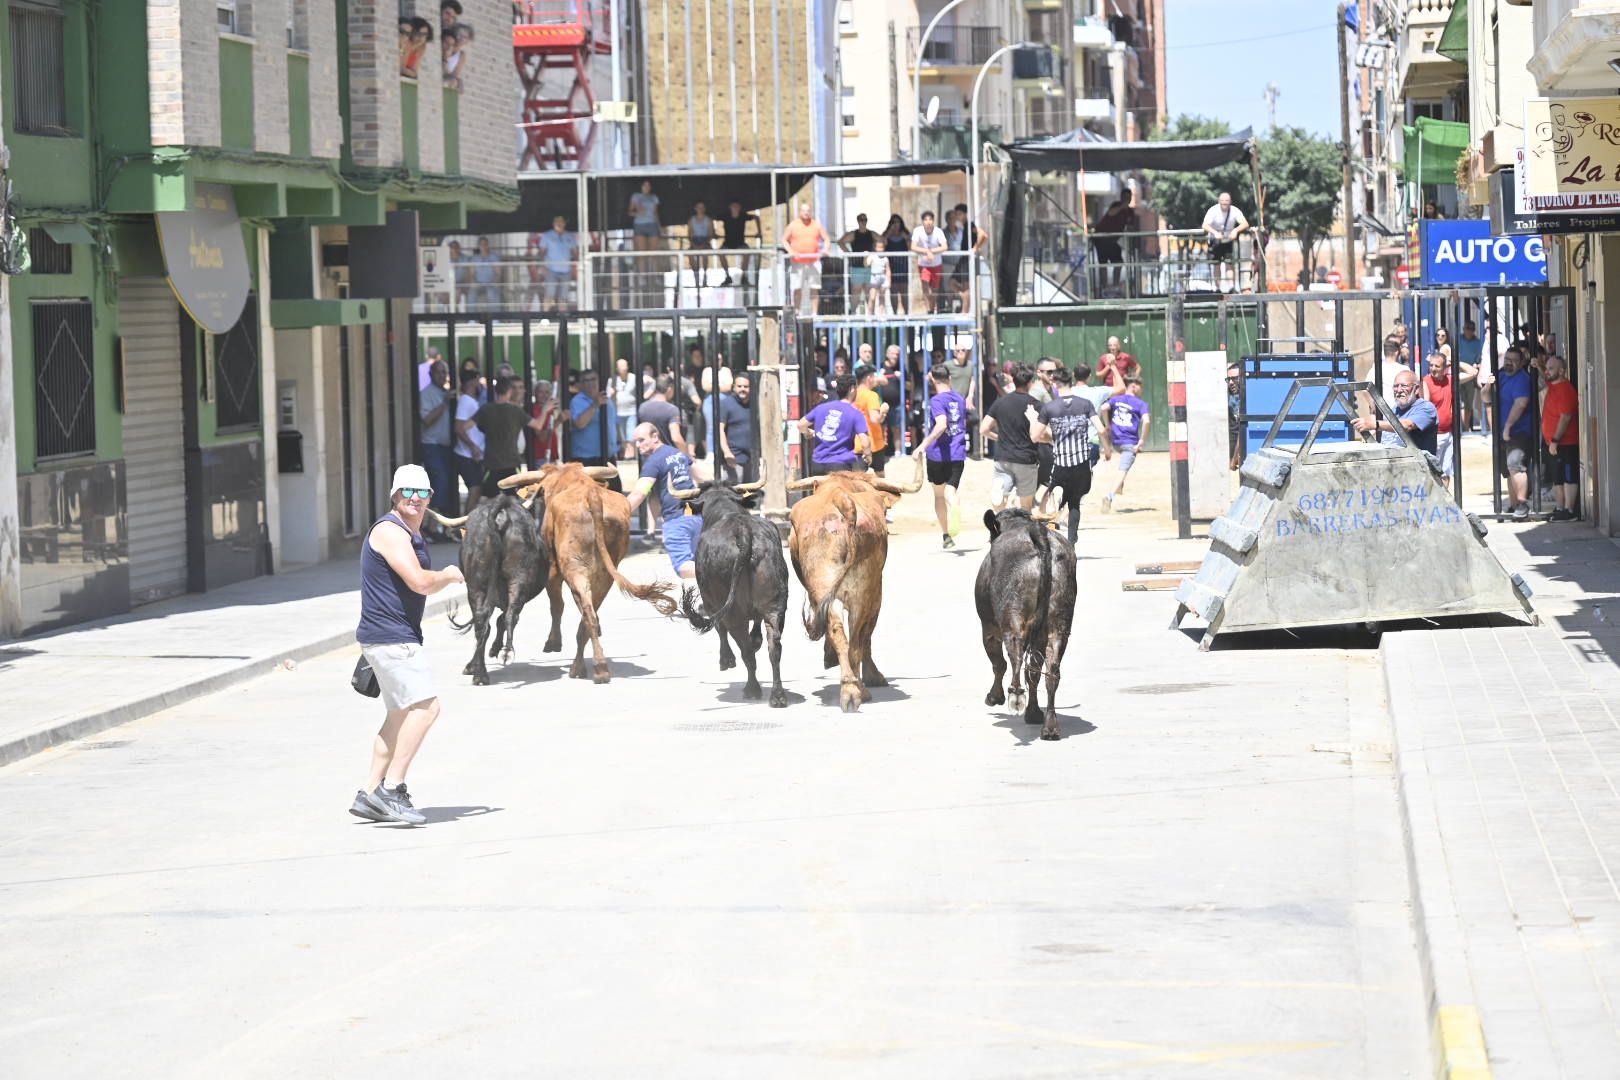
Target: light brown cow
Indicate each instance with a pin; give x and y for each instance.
(839, 545)
(587, 528)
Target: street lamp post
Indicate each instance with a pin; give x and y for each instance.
(973, 156)
(916, 82)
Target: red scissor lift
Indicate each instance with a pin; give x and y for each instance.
(558, 36)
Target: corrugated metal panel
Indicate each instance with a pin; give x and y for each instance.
(154, 449)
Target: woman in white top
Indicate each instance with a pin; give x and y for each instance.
(624, 401)
(644, 218)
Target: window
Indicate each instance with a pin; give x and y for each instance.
(846, 16)
(298, 25)
(46, 256)
(39, 68)
(236, 370)
(848, 108)
(64, 379)
(235, 16)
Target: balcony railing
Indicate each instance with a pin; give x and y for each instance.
(1062, 266)
(953, 46)
(954, 140)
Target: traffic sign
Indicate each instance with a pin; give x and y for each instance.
(1403, 274)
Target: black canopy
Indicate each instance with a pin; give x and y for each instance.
(1080, 149)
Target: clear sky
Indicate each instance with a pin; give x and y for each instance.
(1222, 53)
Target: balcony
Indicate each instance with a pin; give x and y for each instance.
(1094, 102)
(952, 49)
(1573, 44)
(1422, 71)
(953, 140)
(1091, 32)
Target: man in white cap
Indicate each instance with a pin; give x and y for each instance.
(396, 578)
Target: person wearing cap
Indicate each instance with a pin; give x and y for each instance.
(396, 578)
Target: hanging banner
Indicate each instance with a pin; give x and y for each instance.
(205, 258)
(1572, 154)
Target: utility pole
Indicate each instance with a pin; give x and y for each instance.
(1272, 93)
(1344, 125)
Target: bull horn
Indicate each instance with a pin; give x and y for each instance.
(449, 523)
(744, 489)
(523, 479)
(1045, 518)
(685, 493)
(806, 484)
(601, 472)
(903, 489)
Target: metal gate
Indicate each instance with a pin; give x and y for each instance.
(154, 446)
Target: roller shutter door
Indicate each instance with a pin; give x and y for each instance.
(154, 449)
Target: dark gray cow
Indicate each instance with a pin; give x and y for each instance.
(506, 564)
(1025, 595)
(743, 580)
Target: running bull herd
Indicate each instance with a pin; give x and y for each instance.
(560, 527)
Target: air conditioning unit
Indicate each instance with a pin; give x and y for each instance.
(1034, 62)
(614, 112)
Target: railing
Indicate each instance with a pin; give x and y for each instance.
(1061, 265)
(844, 286)
(954, 140)
(953, 46)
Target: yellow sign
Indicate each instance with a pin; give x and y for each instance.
(1572, 147)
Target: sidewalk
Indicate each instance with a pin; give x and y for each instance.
(88, 678)
(1508, 753)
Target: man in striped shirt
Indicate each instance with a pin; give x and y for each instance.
(1066, 423)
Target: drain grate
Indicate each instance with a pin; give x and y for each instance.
(730, 725)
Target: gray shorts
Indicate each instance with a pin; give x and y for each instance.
(1127, 458)
(554, 283)
(807, 276)
(1007, 477)
(402, 673)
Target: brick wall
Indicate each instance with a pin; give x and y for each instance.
(166, 72)
(491, 95)
(199, 51)
(374, 128)
(271, 131)
(326, 118)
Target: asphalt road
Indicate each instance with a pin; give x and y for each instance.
(1204, 877)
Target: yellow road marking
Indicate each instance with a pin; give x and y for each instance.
(1462, 1044)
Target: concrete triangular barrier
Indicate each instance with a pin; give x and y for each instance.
(1344, 533)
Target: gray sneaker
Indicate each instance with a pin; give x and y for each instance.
(1521, 512)
(368, 808)
(396, 803)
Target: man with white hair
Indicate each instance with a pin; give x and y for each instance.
(396, 578)
(1417, 417)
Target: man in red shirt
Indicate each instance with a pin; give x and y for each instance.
(1116, 365)
(1560, 427)
(1438, 388)
(806, 241)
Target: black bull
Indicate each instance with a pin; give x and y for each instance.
(743, 580)
(1025, 595)
(506, 564)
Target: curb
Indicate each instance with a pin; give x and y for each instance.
(1456, 1039)
(89, 723)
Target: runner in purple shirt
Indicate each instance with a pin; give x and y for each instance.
(1127, 418)
(945, 446)
(839, 430)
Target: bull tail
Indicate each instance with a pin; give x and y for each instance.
(815, 618)
(460, 627)
(1035, 641)
(691, 609)
(657, 594)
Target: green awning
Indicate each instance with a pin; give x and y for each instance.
(1432, 150)
(1454, 38)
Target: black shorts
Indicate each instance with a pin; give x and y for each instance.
(491, 483)
(945, 472)
(1567, 464)
(1043, 470)
(1075, 480)
(1220, 249)
(470, 471)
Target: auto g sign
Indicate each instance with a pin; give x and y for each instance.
(1465, 253)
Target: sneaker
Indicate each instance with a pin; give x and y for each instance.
(1562, 514)
(368, 808)
(1107, 503)
(1521, 512)
(396, 803)
(946, 541)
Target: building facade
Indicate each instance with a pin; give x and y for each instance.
(161, 446)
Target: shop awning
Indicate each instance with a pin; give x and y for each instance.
(1081, 148)
(1454, 38)
(1432, 149)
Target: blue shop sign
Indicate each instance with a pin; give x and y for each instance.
(1465, 253)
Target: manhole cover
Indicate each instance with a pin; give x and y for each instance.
(1172, 688)
(729, 725)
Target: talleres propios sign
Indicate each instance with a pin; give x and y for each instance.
(1572, 154)
(205, 257)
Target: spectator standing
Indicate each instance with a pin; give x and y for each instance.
(897, 246)
(624, 407)
(591, 413)
(1127, 418)
(1390, 367)
(1223, 224)
(546, 441)
(396, 578)
(805, 241)
(711, 413)
(1416, 416)
(424, 370)
(1560, 427)
(967, 240)
(469, 440)
(962, 372)
(945, 448)
(734, 237)
(486, 274)
(559, 255)
(1513, 389)
(1066, 424)
(877, 283)
(644, 224)
(662, 468)
(1440, 390)
(839, 430)
(1017, 462)
(870, 402)
(661, 412)
(436, 407)
(1116, 365)
(929, 244)
(1042, 390)
(737, 430)
(1234, 415)
(1119, 218)
(1469, 350)
(890, 391)
(859, 242)
(503, 422)
(700, 235)
(449, 12)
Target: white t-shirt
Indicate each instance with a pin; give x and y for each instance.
(624, 394)
(466, 409)
(1223, 220)
(921, 237)
(644, 208)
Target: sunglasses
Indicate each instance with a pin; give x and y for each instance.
(416, 493)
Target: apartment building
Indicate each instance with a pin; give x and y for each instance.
(203, 386)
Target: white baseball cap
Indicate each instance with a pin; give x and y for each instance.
(410, 476)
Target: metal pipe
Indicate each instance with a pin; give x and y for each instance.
(691, 118)
(775, 36)
(731, 55)
(916, 82)
(708, 55)
(753, 93)
(1344, 125)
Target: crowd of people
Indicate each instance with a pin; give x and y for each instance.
(416, 34)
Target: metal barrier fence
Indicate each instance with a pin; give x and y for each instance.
(1067, 265)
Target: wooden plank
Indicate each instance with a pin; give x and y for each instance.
(1168, 568)
(1151, 584)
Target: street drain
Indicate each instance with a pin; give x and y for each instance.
(1172, 688)
(729, 725)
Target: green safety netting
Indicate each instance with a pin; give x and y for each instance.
(1454, 38)
(1432, 150)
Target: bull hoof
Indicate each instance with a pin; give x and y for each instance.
(506, 657)
(480, 678)
(1033, 716)
(601, 675)
(727, 662)
(779, 699)
(472, 667)
(995, 697)
(753, 691)
(850, 703)
(576, 670)
(1015, 701)
(553, 644)
(1051, 734)
(874, 678)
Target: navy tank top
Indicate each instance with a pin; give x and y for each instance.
(390, 610)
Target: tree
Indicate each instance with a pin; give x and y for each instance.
(1182, 198)
(1302, 174)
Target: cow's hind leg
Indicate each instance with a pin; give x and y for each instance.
(773, 636)
(554, 594)
(850, 691)
(1015, 661)
(1032, 677)
(749, 648)
(500, 635)
(1049, 729)
(727, 660)
(481, 611)
(998, 666)
(514, 608)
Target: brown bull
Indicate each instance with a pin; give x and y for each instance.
(587, 528)
(839, 545)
